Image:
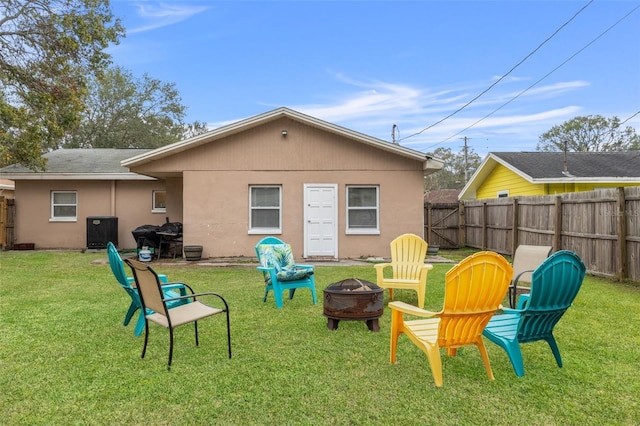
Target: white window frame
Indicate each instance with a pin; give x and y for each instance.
(155, 209)
(362, 231)
(259, 230)
(55, 218)
(503, 194)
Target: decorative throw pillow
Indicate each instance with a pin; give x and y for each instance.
(266, 255)
(280, 257)
(266, 260)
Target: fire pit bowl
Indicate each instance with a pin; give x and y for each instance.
(353, 300)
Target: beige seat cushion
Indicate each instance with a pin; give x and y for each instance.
(184, 314)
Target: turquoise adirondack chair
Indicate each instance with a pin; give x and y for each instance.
(280, 271)
(554, 286)
(128, 284)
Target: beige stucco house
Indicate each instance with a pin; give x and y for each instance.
(52, 206)
(329, 191)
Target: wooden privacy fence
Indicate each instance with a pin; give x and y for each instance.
(442, 225)
(602, 227)
(7, 220)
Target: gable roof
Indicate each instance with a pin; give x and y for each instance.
(430, 164)
(79, 164)
(549, 167)
(585, 165)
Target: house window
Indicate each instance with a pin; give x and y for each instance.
(265, 211)
(64, 206)
(362, 210)
(159, 202)
(503, 194)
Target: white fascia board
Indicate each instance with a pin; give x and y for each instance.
(378, 143)
(468, 192)
(588, 180)
(432, 165)
(167, 150)
(512, 168)
(76, 176)
(195, 141)
(251, 122)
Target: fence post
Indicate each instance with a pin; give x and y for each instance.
(3, 223)
(462, 230)
(621, 218)
(557, 237)
(514, 224)
(484, 226)
(429, 223)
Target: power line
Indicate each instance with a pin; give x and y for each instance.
(544, 77)
(637, 112)
(504, 76)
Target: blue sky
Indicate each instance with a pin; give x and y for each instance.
(367, 65)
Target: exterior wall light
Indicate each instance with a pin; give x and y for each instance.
(284, 133)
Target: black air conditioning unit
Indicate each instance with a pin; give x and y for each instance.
(101, 230)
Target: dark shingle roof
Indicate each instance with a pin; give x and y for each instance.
(541, 165)
(82, 161)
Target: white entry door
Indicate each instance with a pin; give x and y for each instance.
(321, 220)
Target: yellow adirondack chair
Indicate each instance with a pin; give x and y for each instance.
(473, 291)
(408, 252)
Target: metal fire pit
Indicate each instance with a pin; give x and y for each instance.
(353, 300)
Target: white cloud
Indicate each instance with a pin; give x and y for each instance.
(158, 15)
(373, 107)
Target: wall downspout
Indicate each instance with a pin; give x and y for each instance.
(113, 198)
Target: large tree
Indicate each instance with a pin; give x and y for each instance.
(452, 175)
(47, 49)
(590, 133)
(125, 112)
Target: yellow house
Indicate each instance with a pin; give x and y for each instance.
(511, 174)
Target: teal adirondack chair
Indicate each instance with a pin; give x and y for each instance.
(128, 284)
(280, 271)
(554, 286)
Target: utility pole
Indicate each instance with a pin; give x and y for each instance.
(466, 160)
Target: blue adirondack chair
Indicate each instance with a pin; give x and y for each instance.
(128, 284)
(280, 271)
(554, 286)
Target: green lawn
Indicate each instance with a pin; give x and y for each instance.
(66, 358)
